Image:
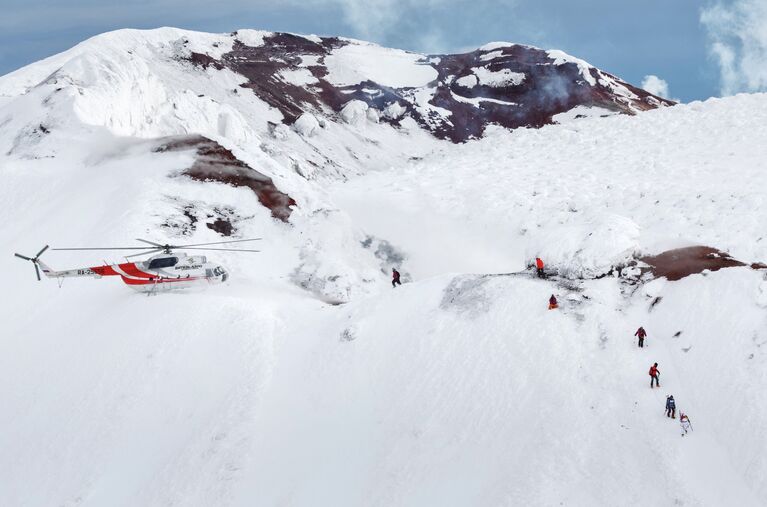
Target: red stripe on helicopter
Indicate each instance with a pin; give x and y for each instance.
(104, 271)
(130, 269)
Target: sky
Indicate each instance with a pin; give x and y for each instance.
(684, 49)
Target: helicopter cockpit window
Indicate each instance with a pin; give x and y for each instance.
(163, 262)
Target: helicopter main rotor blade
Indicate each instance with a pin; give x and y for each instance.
(218, 249)
(37, 272)
(154, 250)
(150, 242)
(41, 251)
(24, 257)
(216, 243)
(107, 248)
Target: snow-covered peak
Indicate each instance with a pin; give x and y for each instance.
(104, 45)
(501, 83)
(492, 46)
(560, 57)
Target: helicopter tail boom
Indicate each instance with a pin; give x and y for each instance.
(51, 273)
(68, 273)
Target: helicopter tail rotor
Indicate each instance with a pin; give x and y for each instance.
(35, 260)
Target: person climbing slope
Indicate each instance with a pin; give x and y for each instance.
(553, 305)
(539, 267)
(654, 373)
(684, 421)
(641, 333)
(670, 407)
(395, 278)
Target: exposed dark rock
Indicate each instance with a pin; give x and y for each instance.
(184, 223)
(205, 61)
(221, 219)
(221, 226)
(215, 163)
(681, 262)
(546, 90)
(189, 215)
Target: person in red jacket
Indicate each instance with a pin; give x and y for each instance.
(395, 278)
(539, 267)
(641, 333)
(654, 373)
(553, 305)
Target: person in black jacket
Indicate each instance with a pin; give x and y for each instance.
(670, 407)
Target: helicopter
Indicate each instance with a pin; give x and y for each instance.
(164, 271)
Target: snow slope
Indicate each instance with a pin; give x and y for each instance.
(458, 388)
(583, 195)
(353, 64)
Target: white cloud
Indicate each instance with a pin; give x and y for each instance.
(738, 41)
(433, 42)
(656, 86)
(377, 20)
(373, 19)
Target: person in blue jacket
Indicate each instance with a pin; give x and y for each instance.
(670, 407)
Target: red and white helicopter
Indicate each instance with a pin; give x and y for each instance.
(160, 273)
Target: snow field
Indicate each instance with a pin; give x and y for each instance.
(501, 78)
(455, 389)
(132, 398)
(580, 195)
(360, 62)
(467, 390)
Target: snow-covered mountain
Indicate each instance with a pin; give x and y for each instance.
(307, 380)
(309, 99)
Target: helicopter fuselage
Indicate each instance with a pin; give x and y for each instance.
(167, 269)
(159, 273)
